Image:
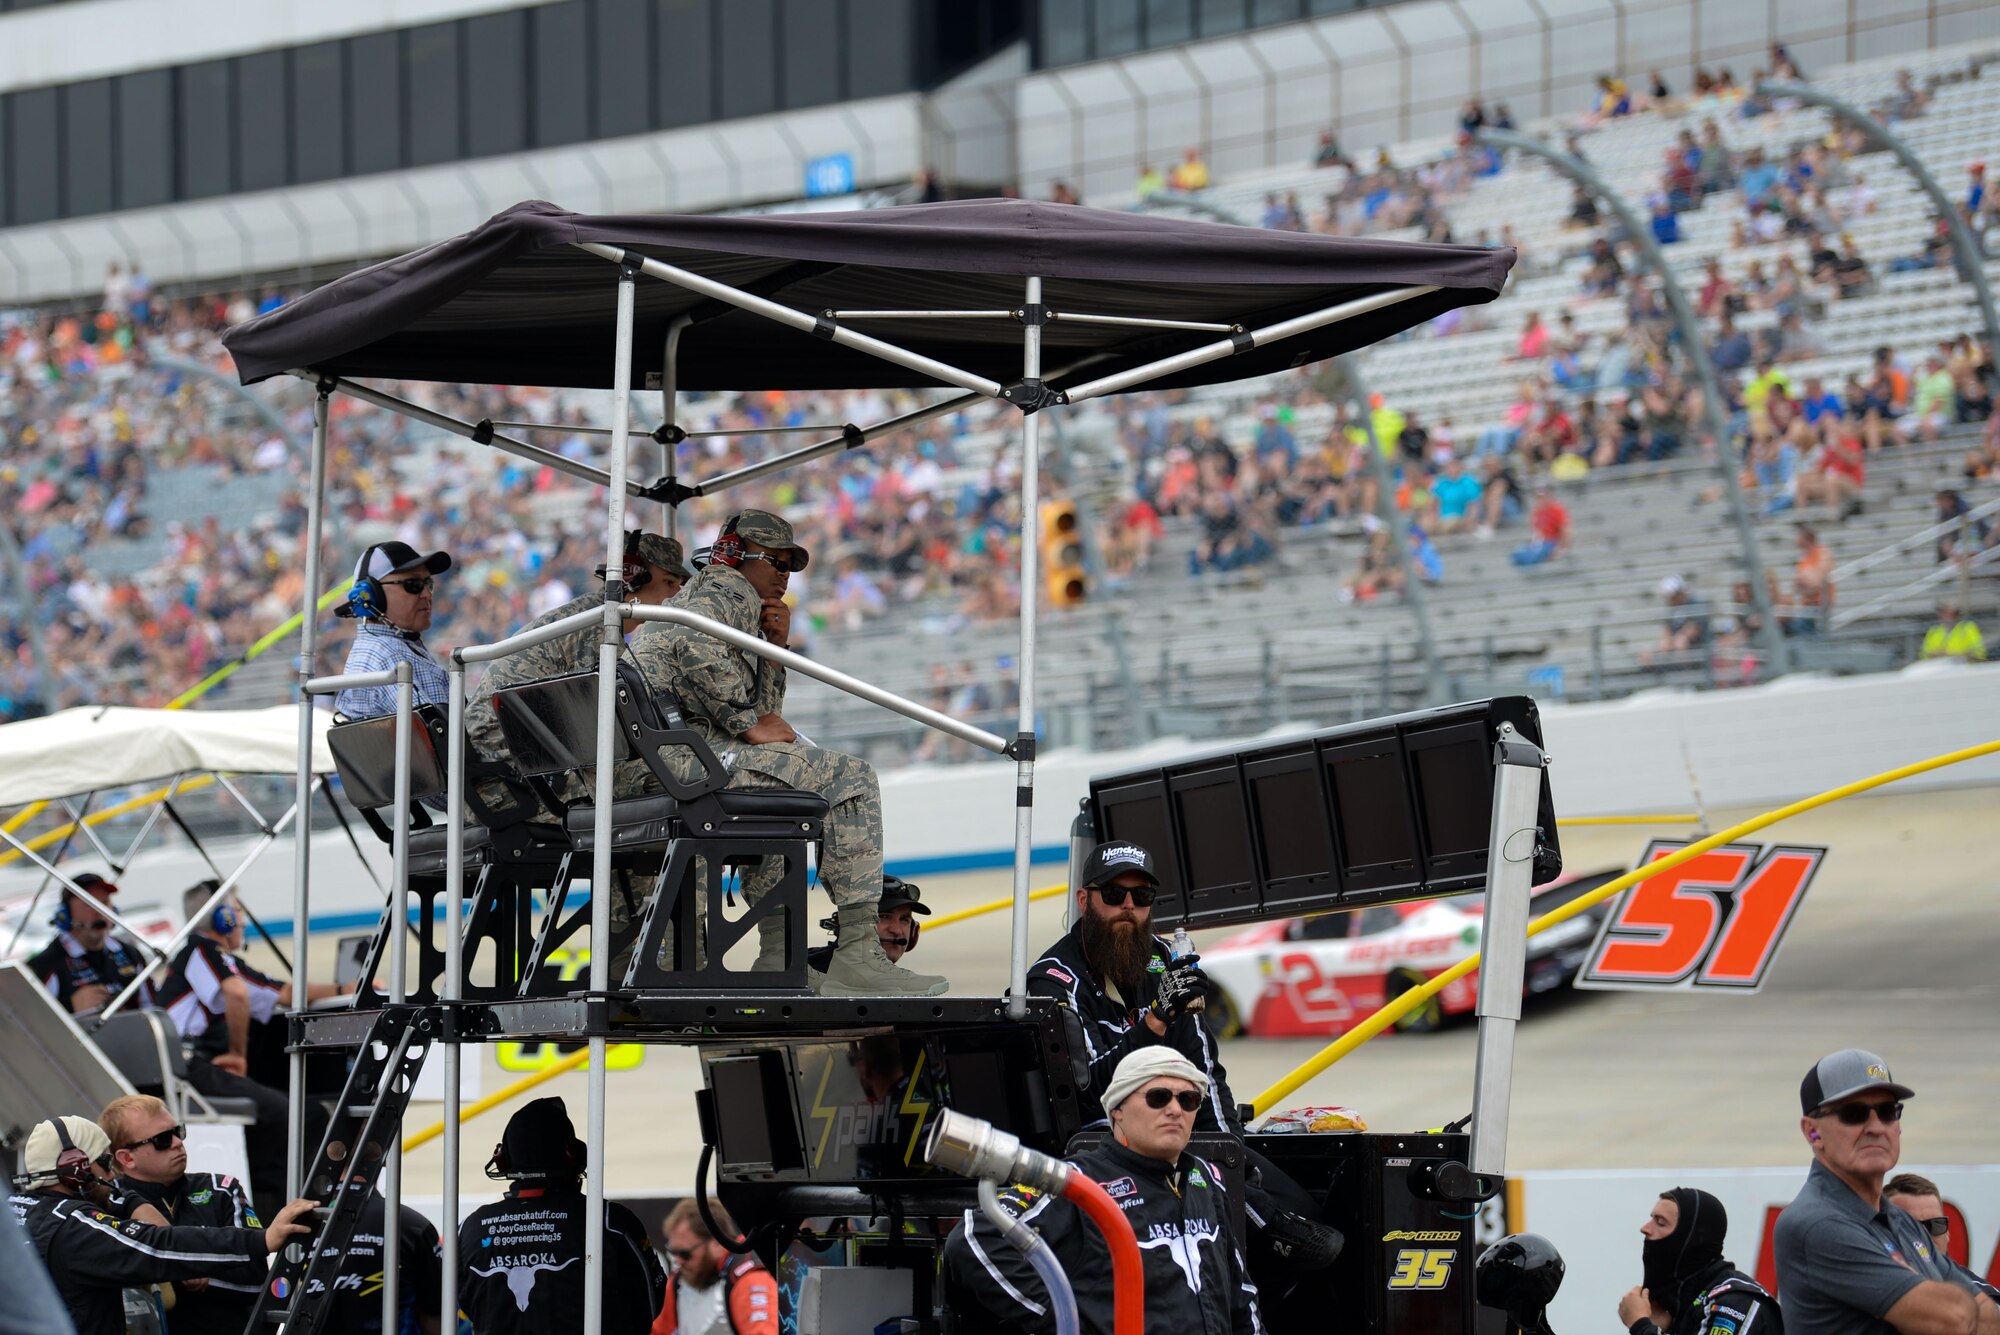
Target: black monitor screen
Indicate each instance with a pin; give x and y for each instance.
(1373, 808)
(1217, 837)
(1137, 814)
(1292, 819)
(1455, 784)
(742, 1113)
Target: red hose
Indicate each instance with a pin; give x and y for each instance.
(1128, 1273)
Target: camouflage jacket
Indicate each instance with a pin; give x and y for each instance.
(721, 690)
(574, 652)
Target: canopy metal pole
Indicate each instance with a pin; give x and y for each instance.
(399, 961)
(454, 963)
(480, 433)
(1243, 342)
(817, 325)
(295, 1127)
(850, 439)
(670, 415)
(607, 749)
(1024, 735)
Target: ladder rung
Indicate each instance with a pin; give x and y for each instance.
(361, 1110)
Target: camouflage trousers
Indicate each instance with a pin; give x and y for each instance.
(850, 860)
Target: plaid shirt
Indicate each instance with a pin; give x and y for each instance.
(378, 647)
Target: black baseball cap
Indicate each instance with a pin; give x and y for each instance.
(389, 558)
(1115, 858)
(898, 893)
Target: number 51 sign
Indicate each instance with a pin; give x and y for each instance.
(1715, 921)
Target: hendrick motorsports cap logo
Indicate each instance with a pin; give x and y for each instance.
(1122, 853)
(1405, 1235)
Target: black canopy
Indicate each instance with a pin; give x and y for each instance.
(514, 302)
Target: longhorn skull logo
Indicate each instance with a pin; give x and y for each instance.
(521, 1275)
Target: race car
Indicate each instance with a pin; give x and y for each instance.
(1316, 976)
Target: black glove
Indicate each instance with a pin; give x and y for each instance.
(1184, 989)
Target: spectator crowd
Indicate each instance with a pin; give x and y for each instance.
(98, 402)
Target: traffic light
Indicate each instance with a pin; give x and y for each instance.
(1062, 554)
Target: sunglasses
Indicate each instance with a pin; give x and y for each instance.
(1114, 895)
(420, 585)
(680, 1253)
(1938, 1226)
(778, 559)
(1856, 1114)
(163, 1141)
(1157, 1099)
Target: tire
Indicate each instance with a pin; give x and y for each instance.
(1225, 1020)
(1425, 1019)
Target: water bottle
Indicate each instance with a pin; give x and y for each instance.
(1183, 946)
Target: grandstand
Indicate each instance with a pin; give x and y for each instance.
(137, 611)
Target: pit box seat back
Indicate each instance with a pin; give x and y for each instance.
(699, 827)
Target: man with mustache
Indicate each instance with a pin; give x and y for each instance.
(1131, 995)
(1123, 982)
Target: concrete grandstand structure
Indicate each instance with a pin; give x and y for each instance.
(1573, 628)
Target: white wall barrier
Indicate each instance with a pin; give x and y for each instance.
(1752, 748)
(1593, 1218)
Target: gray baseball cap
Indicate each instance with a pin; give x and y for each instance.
(1843, 1074)
(761, 526)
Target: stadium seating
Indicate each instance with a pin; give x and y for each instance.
(1225, 653)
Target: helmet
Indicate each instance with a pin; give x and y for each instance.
(1520, 1275)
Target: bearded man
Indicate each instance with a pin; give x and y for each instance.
(1131, 994)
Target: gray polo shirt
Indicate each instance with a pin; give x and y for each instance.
(1841, 1264)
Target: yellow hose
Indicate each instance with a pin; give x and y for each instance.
(992, 906)
(1416, 996)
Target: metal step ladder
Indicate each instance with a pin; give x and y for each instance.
(360, 1137)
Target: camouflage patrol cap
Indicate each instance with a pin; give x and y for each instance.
(765, 528)
(656, 549)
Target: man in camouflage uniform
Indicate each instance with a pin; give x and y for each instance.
(733, 700)
(653, 572)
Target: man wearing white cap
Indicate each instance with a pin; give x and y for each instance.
(1195, 1277)
(392, 599)
(1849, 1261)
(62, 1198)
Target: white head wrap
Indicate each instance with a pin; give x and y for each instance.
(1150, 1063)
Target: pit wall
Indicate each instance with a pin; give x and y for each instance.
(1649, 753)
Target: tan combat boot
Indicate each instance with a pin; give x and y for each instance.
(770, 944)
(860, 969)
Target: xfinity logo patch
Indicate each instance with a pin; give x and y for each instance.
(1123, 1186)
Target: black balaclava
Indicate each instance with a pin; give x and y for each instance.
(1693, 1246)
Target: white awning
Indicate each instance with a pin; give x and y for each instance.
(83, 750)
